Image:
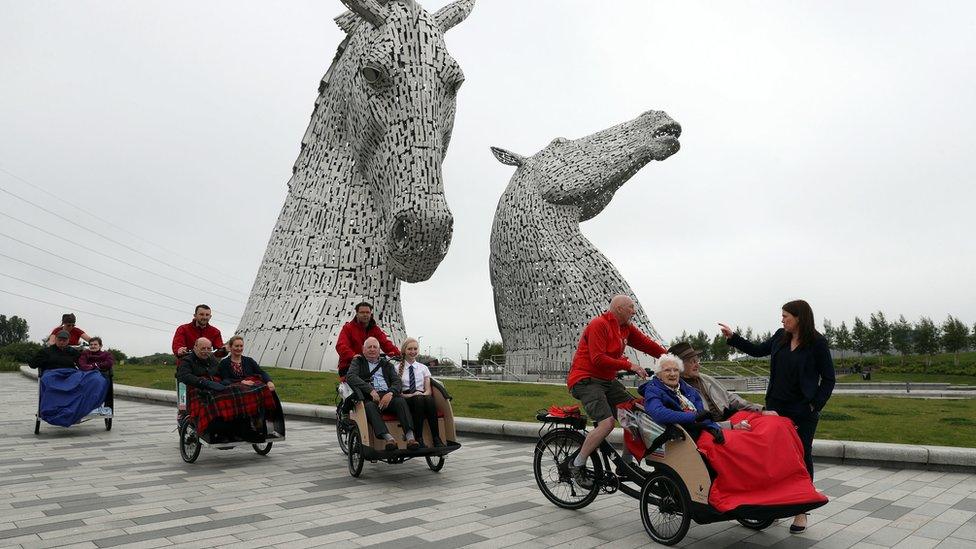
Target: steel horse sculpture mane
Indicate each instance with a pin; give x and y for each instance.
(548, 279)
(365, 207)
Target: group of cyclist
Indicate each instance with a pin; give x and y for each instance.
(801, 375)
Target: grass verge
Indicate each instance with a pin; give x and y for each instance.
(886, 377)
(874, 419)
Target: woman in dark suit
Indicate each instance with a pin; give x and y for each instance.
(801, 375)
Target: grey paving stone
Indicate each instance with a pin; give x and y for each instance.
(891, 512)
(38, 528)
(390, 509)
(967, 504)
(457, 541)
(172, 515)
(508, 509)
(871, 504)
(839, 490)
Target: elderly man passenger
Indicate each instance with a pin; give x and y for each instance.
(198, 368)
(378, 381)
(717, 399)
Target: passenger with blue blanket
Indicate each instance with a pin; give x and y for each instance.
(66, 393)
(669, 400)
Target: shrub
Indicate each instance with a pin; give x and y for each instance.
(21, 351)
(7, 365)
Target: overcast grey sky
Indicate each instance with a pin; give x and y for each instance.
(827, 154)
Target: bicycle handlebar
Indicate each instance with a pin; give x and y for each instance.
(624, 373)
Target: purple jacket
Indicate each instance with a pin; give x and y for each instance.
(90, 360)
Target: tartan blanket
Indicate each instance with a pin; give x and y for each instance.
(238, 401)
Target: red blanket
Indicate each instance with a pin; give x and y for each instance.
(238, 401)
(763, 466)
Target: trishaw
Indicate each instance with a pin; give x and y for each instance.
(102, 412)
(353, 430)
(672, 484)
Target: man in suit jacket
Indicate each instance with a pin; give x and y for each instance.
(377, 380)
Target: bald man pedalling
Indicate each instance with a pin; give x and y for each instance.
(593, 376)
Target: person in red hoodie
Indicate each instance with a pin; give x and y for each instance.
(353, 335)
(187, 334)
(593, 375)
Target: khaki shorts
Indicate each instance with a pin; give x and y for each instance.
(600, 397)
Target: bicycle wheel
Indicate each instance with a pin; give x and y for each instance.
(755, 524)
(550, 466)
(356, 457)
(262, 450)
(342, 433)
(665, 509)
(190, 444)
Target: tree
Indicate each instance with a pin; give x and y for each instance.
(955, 336)
(880, 335)
(720, 350)
(901, 337)
(490, 349)
(701, 342)
(842, 338)
(118, 355)
(925, 338)
(829, 333)
(12, 330)
(861, 336)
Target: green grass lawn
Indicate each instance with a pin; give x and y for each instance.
(876, 419)
(886, 377)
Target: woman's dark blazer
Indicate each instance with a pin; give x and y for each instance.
(816, 379)
(250, 366)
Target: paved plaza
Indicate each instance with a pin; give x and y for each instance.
(85, 487)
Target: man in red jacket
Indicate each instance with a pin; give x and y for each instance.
(187, 335)
(593, 376)
(353, 335)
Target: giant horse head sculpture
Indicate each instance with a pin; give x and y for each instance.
(548, 279)
(365, 207)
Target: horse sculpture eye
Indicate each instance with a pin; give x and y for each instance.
(371, 73)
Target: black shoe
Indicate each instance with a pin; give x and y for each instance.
(422, 446)
(579, 475)
(438, 443)
(391, 445)
(412, 444)
(794, 529)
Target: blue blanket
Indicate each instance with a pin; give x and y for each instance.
(68, 395)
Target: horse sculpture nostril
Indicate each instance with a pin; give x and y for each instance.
(398, 235)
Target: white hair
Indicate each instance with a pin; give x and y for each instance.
(664, 359)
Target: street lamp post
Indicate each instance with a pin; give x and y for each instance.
(420, 348)
(468, 347)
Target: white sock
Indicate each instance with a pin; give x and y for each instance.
(579, 461)
(388, 436)
(409, 435)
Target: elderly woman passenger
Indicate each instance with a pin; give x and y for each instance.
(669, 400)
(716, 398)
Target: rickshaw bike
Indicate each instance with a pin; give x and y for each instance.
(353, 430)
(672, 486)
(224, 435)
(101, 412)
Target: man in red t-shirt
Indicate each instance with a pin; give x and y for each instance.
(187, 335)
(75, 334)
(593, 376)
(353, 335)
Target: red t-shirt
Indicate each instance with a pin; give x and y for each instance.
(74, 334)
(600, 353)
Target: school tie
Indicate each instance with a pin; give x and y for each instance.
(413, 380)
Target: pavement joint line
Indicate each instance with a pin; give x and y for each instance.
(840, 451)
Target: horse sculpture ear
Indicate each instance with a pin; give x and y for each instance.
(371, 11)
(508, 157)
(452, 14)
